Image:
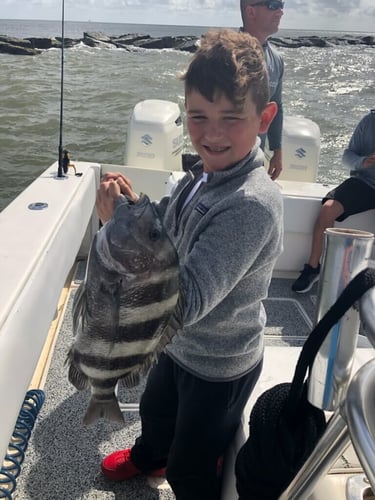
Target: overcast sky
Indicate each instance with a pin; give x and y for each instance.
(341, 15)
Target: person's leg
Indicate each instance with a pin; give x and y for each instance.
(208, 416)
(329, 212)
(351, 197)
(158, 411)
(158, 408)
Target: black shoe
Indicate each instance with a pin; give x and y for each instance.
(307, 278)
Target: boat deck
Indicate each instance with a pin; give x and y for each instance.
(63, 457)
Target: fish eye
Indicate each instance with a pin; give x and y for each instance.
(154, 234)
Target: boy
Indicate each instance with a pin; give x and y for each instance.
(225, 219)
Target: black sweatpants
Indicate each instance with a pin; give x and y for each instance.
(187, 424)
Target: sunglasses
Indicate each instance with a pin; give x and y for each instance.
(270, 4)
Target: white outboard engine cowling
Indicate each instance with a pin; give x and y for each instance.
(300, 149)
(155, 136)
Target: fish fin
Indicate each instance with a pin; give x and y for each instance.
(78, 378)
(174, 324)
(75, 375)
(132, 379)
(79, 308)
(177, 317)
(109, 410)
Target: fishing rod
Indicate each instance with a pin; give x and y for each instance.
(61, 168)
(64, 158)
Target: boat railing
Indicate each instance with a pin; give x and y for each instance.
(359, 412)
(352, 401)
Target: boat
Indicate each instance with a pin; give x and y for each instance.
(46, 234)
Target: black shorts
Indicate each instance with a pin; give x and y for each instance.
(354, 195)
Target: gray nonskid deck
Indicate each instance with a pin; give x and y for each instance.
(63, 457)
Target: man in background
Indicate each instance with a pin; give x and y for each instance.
(261, 19)
(353, 196)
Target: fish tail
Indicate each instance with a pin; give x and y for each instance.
(109, 409)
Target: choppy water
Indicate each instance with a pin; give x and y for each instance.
(332, 86)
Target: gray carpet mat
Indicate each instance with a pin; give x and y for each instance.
(63, 458)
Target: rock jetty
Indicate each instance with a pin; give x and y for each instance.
(132, 41)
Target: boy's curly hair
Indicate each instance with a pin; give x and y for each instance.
(231, 63)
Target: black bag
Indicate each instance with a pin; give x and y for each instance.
(284, 426)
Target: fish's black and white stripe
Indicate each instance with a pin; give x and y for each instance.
(127, 308)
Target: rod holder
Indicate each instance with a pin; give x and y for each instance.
(346, 253)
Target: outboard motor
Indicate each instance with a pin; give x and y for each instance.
(155, 136)
(301, 149)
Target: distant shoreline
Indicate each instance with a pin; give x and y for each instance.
(129, 41)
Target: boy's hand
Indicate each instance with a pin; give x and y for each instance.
(111, 186)
(106, 197)
(124, 183)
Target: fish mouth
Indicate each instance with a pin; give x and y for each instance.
(123, 204)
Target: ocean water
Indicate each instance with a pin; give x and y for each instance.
(332, 86)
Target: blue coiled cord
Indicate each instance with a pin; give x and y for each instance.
(11, 468)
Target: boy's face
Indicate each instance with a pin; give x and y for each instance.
(221, 133)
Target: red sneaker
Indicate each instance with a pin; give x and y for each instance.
(119, 467)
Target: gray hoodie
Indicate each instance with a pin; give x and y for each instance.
(228, 238)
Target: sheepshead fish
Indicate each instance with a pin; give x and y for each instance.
(126, 309)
